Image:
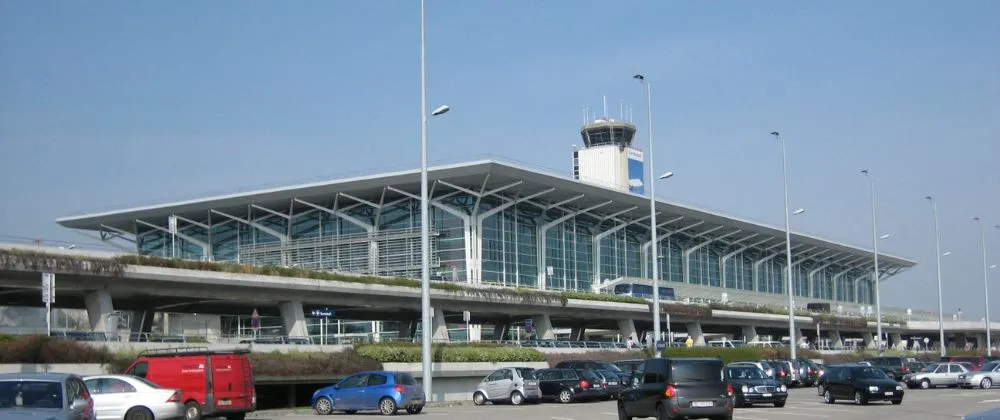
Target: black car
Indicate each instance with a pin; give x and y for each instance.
(860, 383)
(594, 365)
(678, 387)
(628, 366)
(752, 386)
(569, 385)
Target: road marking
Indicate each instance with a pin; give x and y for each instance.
(989, 401)
(788, 413)
(561, 418)
(742, 417)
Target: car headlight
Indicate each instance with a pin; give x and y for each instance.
(745, 389)
(961, 376)
(899, 388)
(873, 389)
(784, 388)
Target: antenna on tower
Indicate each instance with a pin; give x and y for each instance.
(605, 105)
(584, 109)
(621, 109)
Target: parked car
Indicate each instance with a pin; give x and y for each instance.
(217, 383)
(935, 375)
(861, 383)
(593, 365)
(976, 361)
(385, 392)
(569, 385)
(611, 382)
(985, 377)
(628, 366)
(764, 366)
(991, 414)
(44, 396)
(132, 398)
(784, 372)
(808, 372)
(514, 385)
(752, 386)
(678, 387)
(894, 367)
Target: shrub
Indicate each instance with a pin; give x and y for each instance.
(40, 349)
(337, 364)
(448, 353)
(601, 356)
(744, 307)
(840, 321)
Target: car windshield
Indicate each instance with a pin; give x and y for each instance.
(745, 372)
(589, 375)
(989, 367)
(930, 368)
(869, 373)
(30, 394)
(609, 366)
(697, 371)
(526, 373)
(148, 383)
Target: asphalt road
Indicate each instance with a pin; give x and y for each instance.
(803, 404)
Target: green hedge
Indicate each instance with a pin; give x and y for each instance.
(447, 353)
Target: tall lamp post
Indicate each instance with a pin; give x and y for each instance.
(425, 241)
(937, 254)
(986, 286)
(652, 212)
(788, 249)
(875, 272)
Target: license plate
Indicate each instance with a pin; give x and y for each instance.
(767, 395)
(888, 394)
(531, 383)
(225, 402)
(612, 383)
(702, 404)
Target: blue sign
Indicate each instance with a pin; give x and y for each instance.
(660, 345)
(529, 325)
(324, 313)
(636, 175)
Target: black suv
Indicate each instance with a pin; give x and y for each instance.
(678, 387)
(860, 383)
(595, 366)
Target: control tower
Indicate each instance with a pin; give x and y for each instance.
(607, 157)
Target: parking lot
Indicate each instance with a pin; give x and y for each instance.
(802, 404)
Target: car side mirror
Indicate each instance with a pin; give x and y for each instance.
(77, 404)
(336, 387)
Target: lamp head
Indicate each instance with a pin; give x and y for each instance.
(930, 198)
(639, 77)
(666, 175)
(440, 110)
(775, 133)
(799, 211)
(864, 171)
(946, 254)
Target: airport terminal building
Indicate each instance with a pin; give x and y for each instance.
(505, 224)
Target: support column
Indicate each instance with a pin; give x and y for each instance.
(578, 333)
(981, 340)
(501, 331)
(408, 329)
(694, 331)
(836, 342)
(142, 324)
(293, 319)
(626, 327)
(99, 307)
(543, 327)
(749, 333)
(869, 338)
(439, 331)
(897, 341)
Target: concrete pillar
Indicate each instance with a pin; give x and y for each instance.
(99, 307)
(543, 327)
(408, 329)
(694, 331)
(799, 337)
(439, 332)
(836, 341)
(960, 340)
(578, 333)
(869, 338)
(626, 327)
(897, 341)
(293, 318)
(749, 333)
(142, 324)
(501, 331)
(981, 340)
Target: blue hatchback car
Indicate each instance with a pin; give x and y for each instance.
(385, 392)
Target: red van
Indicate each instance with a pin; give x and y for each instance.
(212, 382)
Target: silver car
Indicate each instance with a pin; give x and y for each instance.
(515, 385)
(132, 398)
(44, 396)
(985, 377)
(935, 375)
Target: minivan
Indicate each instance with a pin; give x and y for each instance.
(678, 387)
(213, 383)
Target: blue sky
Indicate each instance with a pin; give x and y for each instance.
(115, 103)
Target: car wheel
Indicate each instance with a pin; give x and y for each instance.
(986, 383)
(859, 399)
(565, 396)
(897, 402)
(925, 384)
(415, 410)
(827, 398)
(622, 415)
(517, 398)
(139, 413)
(323, 406)
(387, 407)
(819, 390)
(192, 411)
(478, 398)
(779, 404)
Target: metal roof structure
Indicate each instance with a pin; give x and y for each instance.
(481, 176)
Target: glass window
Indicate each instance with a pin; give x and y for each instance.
(495, 376)
(376, 380)
(691, 371)
(139, 370)
(31, 394)
(526, 373)
(354, 381)
(405, 379)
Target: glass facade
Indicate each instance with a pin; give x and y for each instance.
(578, 249)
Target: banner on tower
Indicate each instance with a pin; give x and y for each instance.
(636, 173)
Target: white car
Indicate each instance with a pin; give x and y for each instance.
(132, 398)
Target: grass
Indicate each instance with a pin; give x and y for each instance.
(115, 267)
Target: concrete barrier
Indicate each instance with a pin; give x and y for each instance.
(132, 347)
(79, 369)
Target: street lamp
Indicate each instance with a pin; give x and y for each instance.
(937, 254)
(986, 286)
(875, 272)
(425, 241)
(652, 212)
(788, 248)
